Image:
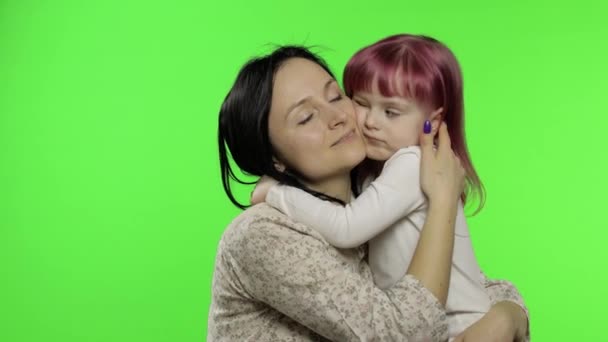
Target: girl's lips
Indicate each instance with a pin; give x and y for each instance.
(371, 139)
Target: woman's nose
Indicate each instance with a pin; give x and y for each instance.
(336, 116)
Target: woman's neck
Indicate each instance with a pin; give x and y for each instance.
(337, 187)
(370, 168)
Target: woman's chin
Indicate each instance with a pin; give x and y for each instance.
(357, 157)
(355, 153)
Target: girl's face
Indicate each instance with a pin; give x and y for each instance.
(387, 123)
(312, 124)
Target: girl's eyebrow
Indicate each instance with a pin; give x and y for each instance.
(397, 103)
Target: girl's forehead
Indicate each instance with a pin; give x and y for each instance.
(387, 85)
(384, 100)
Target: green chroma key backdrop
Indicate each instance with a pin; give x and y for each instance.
(111, 204)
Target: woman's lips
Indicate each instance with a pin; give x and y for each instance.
(346, 137)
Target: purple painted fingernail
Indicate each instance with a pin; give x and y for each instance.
(427, 127)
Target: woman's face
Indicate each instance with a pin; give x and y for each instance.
(312, 124)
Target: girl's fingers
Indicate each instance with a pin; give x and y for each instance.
(426, 142)
(444, 143)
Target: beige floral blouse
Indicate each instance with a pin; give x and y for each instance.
(278, 280)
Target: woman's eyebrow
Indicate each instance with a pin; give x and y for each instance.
(301, 101)
(329, 83)
(296, 105)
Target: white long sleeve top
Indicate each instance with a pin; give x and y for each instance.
(389, 214)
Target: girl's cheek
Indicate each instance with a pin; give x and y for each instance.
(360, 115)
(360, 121)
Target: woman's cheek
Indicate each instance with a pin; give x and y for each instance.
(349, 107)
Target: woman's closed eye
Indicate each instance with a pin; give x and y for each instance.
(306, 119)
(337, 98)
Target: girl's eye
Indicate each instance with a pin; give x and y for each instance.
(307, 119)
(359, 103)
(391, 113)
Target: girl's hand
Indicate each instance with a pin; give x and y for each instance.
(441, 173)
(258, 195)
(505, 322)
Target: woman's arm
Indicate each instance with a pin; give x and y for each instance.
(507, 319)
(504, 295)
(504, 322)
(503, 290)
(442, 180)
(390, 197)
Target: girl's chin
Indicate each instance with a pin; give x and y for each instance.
(377, 155)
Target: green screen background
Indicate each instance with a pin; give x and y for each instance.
(111, 204)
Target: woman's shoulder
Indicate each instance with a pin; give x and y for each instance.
(262, 224)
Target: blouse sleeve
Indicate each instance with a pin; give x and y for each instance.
(312, 283)
(503, 290)
(392, 196)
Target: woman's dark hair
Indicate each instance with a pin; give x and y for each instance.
(243, 122)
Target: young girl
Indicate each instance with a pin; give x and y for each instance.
(398, 85)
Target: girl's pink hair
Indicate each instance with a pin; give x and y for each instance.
(424, 70)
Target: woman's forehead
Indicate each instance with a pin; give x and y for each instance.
(297, 79)
(300, 72)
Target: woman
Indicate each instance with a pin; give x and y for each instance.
(278, 280)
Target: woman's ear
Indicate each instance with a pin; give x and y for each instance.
(280, 167)
(436, 117)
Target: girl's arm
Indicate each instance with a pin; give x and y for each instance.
(443, 182)
(390, 197)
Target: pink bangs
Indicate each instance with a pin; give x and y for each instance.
(399, 66)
